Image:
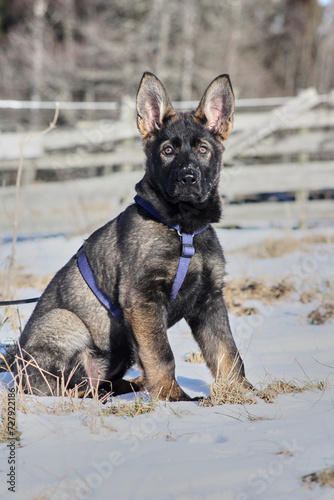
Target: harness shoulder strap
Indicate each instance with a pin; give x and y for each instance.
(89, 278)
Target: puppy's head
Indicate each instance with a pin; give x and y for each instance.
(184, 150)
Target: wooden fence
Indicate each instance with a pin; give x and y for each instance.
(280, 148)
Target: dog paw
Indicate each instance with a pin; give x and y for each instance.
(247, 385)
(171, 392)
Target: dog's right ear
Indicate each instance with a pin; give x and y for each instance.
(153, 105)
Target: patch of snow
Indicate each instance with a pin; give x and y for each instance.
(183, 451)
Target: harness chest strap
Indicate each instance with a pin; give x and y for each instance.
(188, 250)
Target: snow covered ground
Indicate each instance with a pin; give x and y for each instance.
(182, 450)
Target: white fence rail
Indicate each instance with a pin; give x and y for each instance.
(278, 145)
(105, 106)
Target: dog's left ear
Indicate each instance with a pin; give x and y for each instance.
(153, 105)
(216, 108)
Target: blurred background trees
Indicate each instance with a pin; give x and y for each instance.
(97, 50)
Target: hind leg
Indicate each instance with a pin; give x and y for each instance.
(55, 353)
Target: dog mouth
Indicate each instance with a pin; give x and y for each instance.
(188, 197)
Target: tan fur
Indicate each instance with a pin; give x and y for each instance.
(158, 376)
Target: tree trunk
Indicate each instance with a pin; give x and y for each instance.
(190, 21)
(164, 21)
(40, 7)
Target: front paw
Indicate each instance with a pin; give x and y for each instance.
(170, 392)
(247, 385)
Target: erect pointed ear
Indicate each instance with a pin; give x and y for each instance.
(153, 105)
(216, 108)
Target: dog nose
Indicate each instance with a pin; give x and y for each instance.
(187, 177)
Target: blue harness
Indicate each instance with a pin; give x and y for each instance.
(187, 251)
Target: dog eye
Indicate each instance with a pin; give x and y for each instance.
(168, 150)
(203, 150)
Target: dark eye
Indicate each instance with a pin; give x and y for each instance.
(203, 150)
(168, 150)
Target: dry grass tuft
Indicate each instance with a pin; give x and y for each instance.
(272, 390)
(246, 311)
(277, 387)
(194, 357)
(228, 391)
(26, 280)
(254, 289)
(324, 477)
(88, 404)
(273, 247)
(285, 452)
(323, 313)
(140, 406)
(65, 402)
(18, 280)
(237, 291)
(309, 295)
(318, 238)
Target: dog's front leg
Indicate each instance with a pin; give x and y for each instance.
(154, 353)
(211, 329)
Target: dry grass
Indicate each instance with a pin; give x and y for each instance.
(140, 406)
(228, 391)
(88, 404)
(18, 280)
(62, 388)
(285, 452)
(9, 315)
(66, 402)
(273, 247)
(25, 280)
(272, 390)
(246, 311)
(324, 477)
(309, 295)
(237, 291)
(96, 417)
(318, 238)
(92, 412)
(277, 387)
(323, 313)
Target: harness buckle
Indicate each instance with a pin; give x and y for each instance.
(188, 250)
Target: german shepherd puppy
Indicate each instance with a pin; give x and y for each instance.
(134, 260)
